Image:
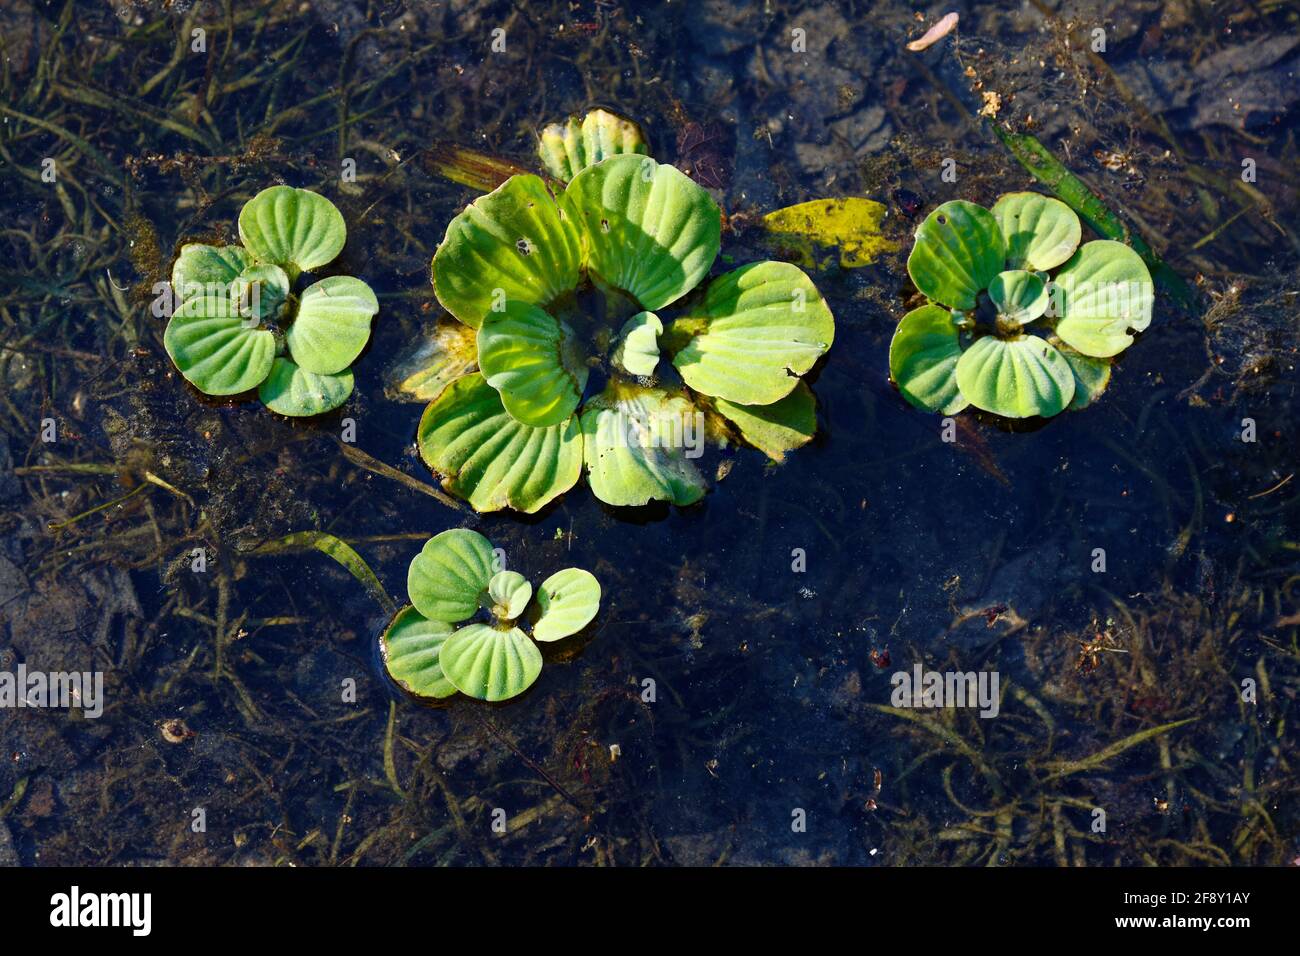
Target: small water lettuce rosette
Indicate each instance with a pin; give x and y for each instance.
(464, 628)
(246, 316)
(561, 369)
(1022, 321)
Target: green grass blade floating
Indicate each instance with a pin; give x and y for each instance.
(635, 442)
(1040, 232)
(777, 428)
(959, 249)
(637, 352)
(447, 579)
(647, 228)
(1015, 378)
(567, 148)
(923, 357)
(297, 393)
(757, 329)
(490, 664)
(332, 325)
(290, 226)
(531, 360)
(217, 350)
(510, 593)
(566, 603)
(410, 647)
(1106, 294)
(491, 460)
(340, 551)
(509, 244)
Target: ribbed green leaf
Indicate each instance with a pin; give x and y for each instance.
(648, 229)
(199, 265)
(217, 350)
(410, 648)
(758, 328)
(958, 250)
(566, 603)
(1020, 296)
(1105, 294)
(449, 577)
(292, 227)
(510, 244)
(531, 359)
(1015, 378)
(636, 441)
(777, 428)
(298, 393)
(1040, 232)
(567, 148)
(490, 664)
(637, 352)
(509, 592)
(260, 290)
(1091, 375)
(491, 460)
(923, 360)
(332, 325)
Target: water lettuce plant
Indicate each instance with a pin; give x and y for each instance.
(1003, 333)
(242, 322)
(563, 291)
(430, 651)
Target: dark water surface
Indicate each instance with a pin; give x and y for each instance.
(973, 555)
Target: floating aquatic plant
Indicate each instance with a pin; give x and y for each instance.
(430, 650)
(562, 295)
(1001, 332)
(241, 323)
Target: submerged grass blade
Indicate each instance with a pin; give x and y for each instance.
(340, 551)
(1065, 768)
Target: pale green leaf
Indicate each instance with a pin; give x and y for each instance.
(647, 228)
(639, 444)
(332, 325)
(1091, 375)
(958, 250)
(567, 148)
(923, 360)
(509, 592)
(295, 392)
(491, 460)
(637, 352)
(410, 648)
(757, 329)
(1020, 296)
(199, 265)
(533, 362)
(566, 603)
(218, 350)
(260, 290)
(1015, 378)
(446, 581)
(512, 243)
(1040, 232)
(490, 664)
(292, 227)
(778, 428)
(1104, 294)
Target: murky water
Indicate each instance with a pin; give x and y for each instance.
(769, 618)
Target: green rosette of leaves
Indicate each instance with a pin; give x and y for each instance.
(241, 322)
(467, 626)
(1021, 321)
(599, 345)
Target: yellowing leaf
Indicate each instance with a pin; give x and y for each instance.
(852, 224)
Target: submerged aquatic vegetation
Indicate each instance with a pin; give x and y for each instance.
(457, 576)
(987, 275)
(240, 323)
(562, 295)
